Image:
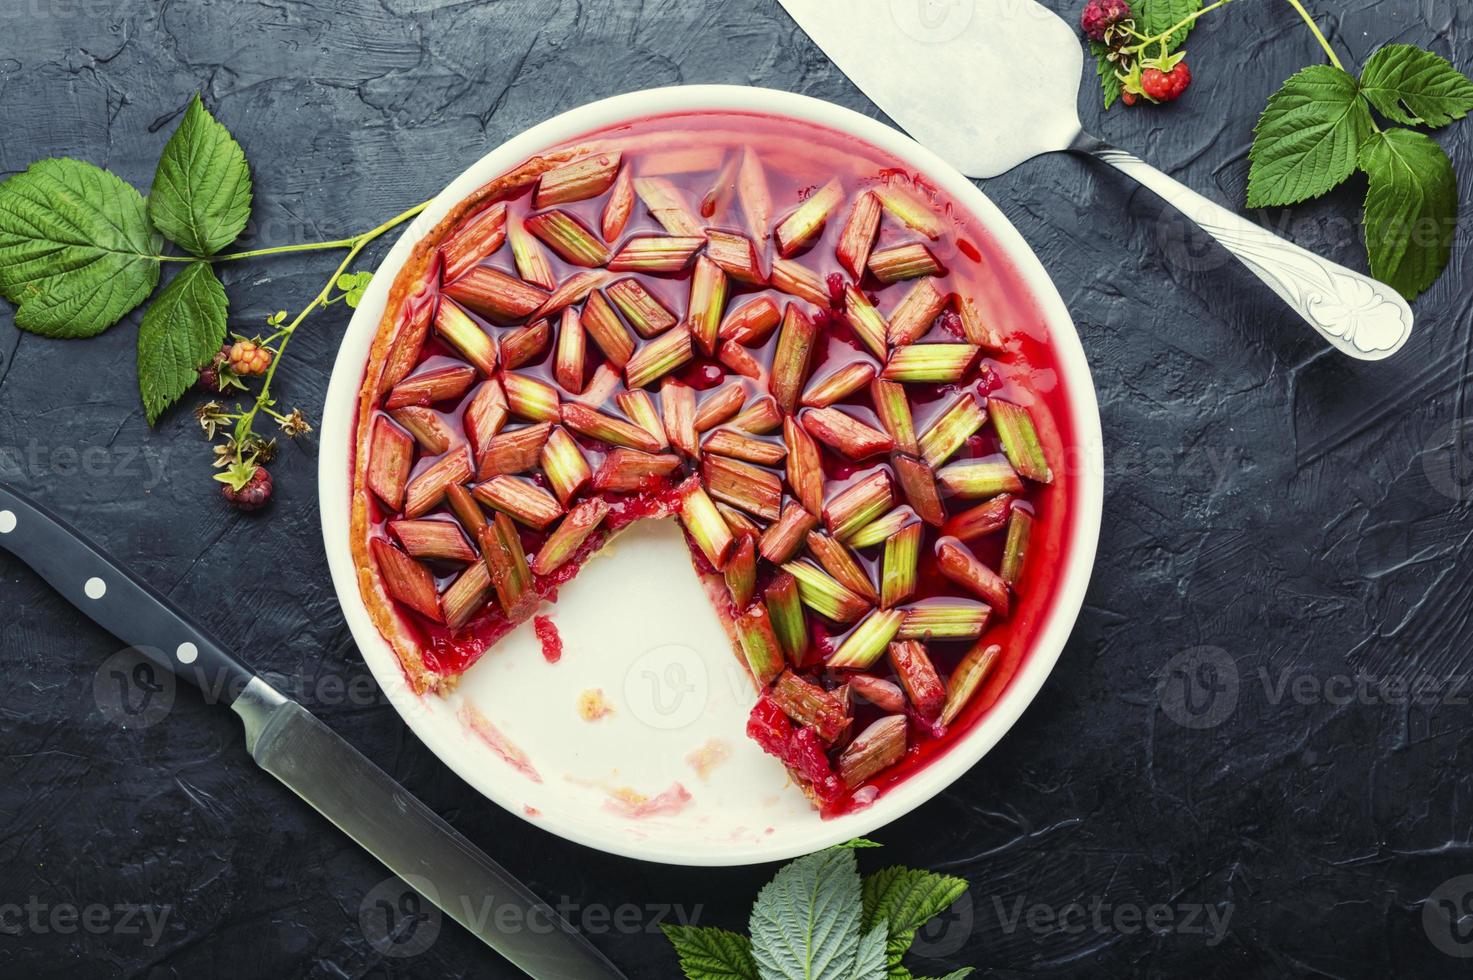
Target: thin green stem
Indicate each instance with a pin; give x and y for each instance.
(1184, 22)
(1315, 30)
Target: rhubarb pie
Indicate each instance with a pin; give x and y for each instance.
(775, 334)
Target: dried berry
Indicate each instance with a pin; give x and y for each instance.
(245, 486)
(1100, 15)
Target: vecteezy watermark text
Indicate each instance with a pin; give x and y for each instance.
(1097, 915)
(37, 917)
(141, 467)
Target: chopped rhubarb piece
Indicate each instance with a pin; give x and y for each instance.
(430, 538)
(754, 197)
(476, 239)
(893, 408)
(1020, 440)
(607, 330)
(629, 470)
(678, 408)
(974, 327)
(566, 468)
(750, 323)
(954, 426)
(785, 608)
(390, 457)
(656, 253)
(840, 562)
(737, 358)
(751, 488)
(858, 236)
(569, 535)
(572, 351)
(729, 442)
(741, 572)
(512, 452)
(528, 398)
(957, 563)
(914, 314)
(606, 428)
(880, 529)
(838, 385)
(759, 643)
(705, 524)
(409, 341)
(519, 498)
(1015, 551)
(736, 256)
(667, 205)
(739, 522)
(484, 417)
(407, 580)
(790, 361)
(463, 504)
(501, 550)
(866, 321)
(707, 302)
(530, 257)
(432, 432)
(977, 478)
(640, 408)
(426, 490)
(467, 595)
(577, 181)
(805, 465)
(659, 357)
(496, 295)
(721, 187)
(569, 238)
(939, 363)
(466, 336)
(845, 433)
(878, 692)
(618, 207)
(808, 704)
(919, 678)
(909, 261)
(907, 205)
(645, 313)
(967, 678)
(858, 504)
(428, 387)
(573, 289)
(898, 570)
(758, 418)
(918, 485)
(825, 595)
(720, 406)
(783, 539)
(798, 280)
(525, 344)
(873, 750)
(867, 641)
(807, 219)
(982, 519)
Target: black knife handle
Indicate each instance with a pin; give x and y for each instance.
(116, 600)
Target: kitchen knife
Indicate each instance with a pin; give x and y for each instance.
(987, 84)
(290, 743)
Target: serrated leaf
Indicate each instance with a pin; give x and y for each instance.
(871, 961)
(181, 330)
(1308, 137)
(860, 842)
(201, 196)
(805, 924)
(1411, 209)
(712, 954)
(76, 249)
(353, 285)
(1416, 87)
(1105, 69)
(903, 900)
(1154, 16)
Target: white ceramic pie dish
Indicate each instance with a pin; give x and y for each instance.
(636, 623)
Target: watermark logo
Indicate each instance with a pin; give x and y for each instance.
(1199, 687)
(397, 919)
(132, 691)
(1447, 917)
(1448, 460)
(667, 687)
(932, 21)
(947, 933)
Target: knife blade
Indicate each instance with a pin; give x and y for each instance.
(290, 743)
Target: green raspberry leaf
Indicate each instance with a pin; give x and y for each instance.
(903, 900)
(76, 249)
(872, 960)
(182, 329)
(1416, 87)
(1307, 139)
(1154, 16)
(1109, 81)
(201, 193)
(712, 954)
(1411, 208)
(805, 924)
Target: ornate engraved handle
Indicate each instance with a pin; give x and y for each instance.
(1355, 313)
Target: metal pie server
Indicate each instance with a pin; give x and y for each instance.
(987, 84)
(315, 763)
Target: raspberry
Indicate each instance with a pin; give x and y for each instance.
(1100, 15)
(835, 282)
(248, 357)
(1164, 86)
(1128, 97)
(209, 374)
(253, 495)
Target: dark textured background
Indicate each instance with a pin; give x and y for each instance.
(1303, 516)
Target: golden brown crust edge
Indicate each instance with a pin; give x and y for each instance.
(381, 611)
